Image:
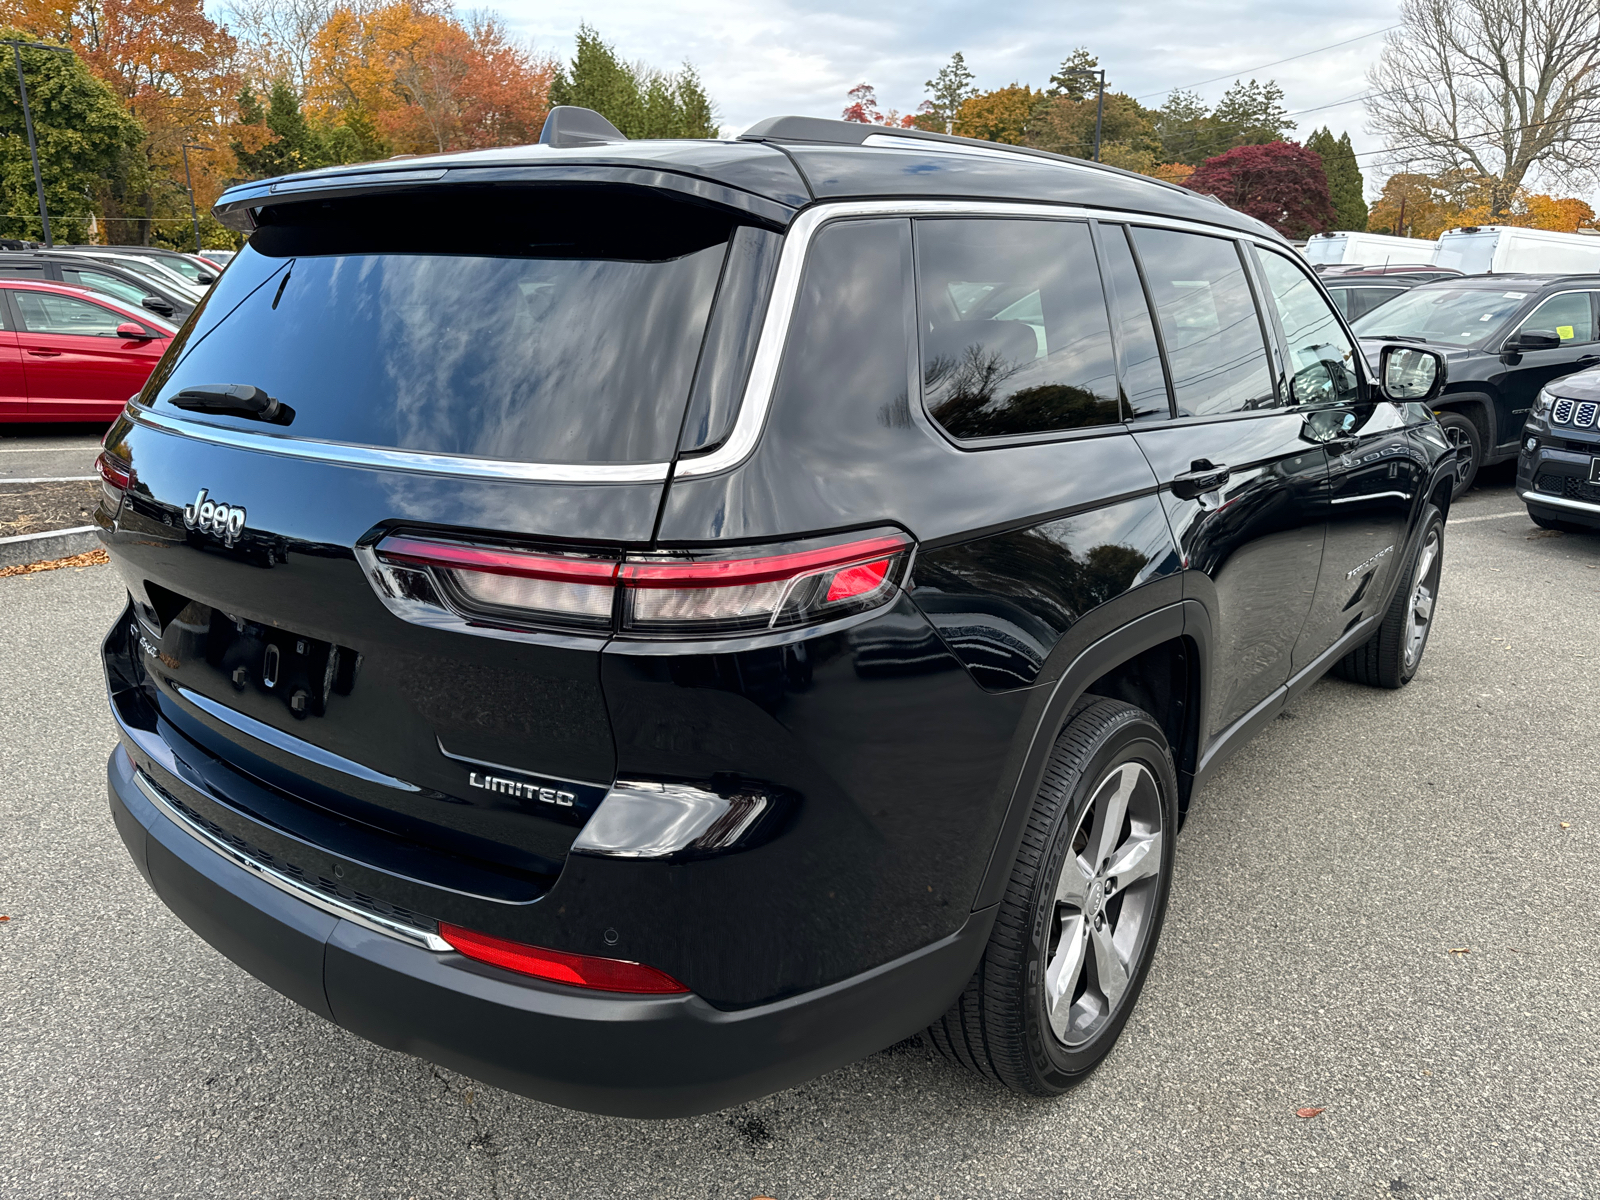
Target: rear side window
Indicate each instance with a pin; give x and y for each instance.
(1322, 358)
(556, 325)
(1215, 343)
(1015, 335)
(1144, 383)
(99, 281)
(45, 312)
(1570, 316)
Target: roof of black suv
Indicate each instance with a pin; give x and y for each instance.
(776, 168)
(1526, 280)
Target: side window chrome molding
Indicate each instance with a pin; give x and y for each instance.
(757, 397)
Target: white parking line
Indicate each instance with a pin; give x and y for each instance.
(1519, 512)
(49, 479)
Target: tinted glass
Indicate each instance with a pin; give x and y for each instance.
(1144, 381)
(1367, 299)
(21, 270)
(1209, 321)
(44, 312)
(1570, 316)
(1015, 336)
(99, 281)
(1452, 315)
(442, 328)
(1322, 358)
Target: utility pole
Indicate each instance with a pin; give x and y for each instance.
(193, 215)
(27, 119)
(1099, 102)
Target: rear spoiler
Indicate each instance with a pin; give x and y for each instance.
(238, 207)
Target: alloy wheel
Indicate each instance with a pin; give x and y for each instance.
(1424, 591)
(1458, 438)
(1105, 903)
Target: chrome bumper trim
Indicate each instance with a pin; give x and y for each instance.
(1558, 502)
(424, 939)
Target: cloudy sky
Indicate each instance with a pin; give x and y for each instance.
(766, 57)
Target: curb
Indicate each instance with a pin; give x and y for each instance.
(52, 543)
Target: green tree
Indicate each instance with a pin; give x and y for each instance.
(1071, 81)
(1345, 184)
(87, 141)
(1184, 129)
(1251, 114)
(947, 92)
(641, 101)
(292, 145)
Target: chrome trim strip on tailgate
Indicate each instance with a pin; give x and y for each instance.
(412, 935)
(351, 454)
(288, 743)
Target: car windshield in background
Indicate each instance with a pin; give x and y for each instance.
(1454, 316)
(571, 351)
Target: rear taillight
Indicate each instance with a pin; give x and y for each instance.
(114, 473)
(557, 966)
(672, 594)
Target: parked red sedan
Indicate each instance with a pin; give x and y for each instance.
(71, 355)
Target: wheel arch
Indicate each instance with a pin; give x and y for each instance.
(1160, 659)
(1477, 407)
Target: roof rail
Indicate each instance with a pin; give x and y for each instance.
(568, 126)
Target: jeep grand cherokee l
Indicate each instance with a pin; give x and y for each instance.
(644, 623)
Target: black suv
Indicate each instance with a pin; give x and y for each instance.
(1558, 472)
(1358, 291)
(646, 623)
(1503, 337)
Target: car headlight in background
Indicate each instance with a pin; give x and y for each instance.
(1542, 403)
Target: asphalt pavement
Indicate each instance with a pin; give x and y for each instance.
(48, 451)
(1385, 907)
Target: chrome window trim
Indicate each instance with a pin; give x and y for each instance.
(424, 939)
(754, 403)
(759, 389)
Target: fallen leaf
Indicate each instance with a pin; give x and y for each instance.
(5, 918)
(1308, 1113)
(1460, 949)
(1566, 824)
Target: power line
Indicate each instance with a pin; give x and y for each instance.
(1247, 70)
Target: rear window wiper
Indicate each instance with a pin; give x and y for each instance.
(234, 400)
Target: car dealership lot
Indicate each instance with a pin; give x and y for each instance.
(1377, 912)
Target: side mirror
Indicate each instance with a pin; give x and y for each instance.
(158, 306)
(1534, 339)
(1407, 373)
(134, 332)
(205, 280)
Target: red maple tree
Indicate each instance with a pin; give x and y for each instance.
(863, 108)
(1281, 183)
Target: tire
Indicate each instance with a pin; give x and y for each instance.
(1462, 432)
(1004, 1025)
(1391, 656)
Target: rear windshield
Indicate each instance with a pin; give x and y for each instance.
(1454, 316)
(536, 324)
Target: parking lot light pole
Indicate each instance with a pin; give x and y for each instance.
(193, 215)
(1099, 102)
(27, 119)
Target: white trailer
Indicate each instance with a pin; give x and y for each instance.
(1369, 249)
(1499, 249)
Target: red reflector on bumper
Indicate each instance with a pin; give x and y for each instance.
(557, 966)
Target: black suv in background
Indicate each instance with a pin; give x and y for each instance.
(1503, 337)
(1357, 291)
(78, 270)
(644, 623)
(1558, 472)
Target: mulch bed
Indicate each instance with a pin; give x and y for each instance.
(40, 507)
(89, 558)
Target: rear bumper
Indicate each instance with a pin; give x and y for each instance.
(619, 1055)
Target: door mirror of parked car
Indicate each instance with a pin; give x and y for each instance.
(132, 329)
(1409, 373)
(1534, 339)
(160, 307)
(205, 280)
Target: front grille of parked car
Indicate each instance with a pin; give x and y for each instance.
(1569, 486)
(328, 887)
(1578, 414)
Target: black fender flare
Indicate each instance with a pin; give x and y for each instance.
(1185, 619)
(1490, 422)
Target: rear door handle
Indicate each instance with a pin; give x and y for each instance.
(45, 353)
(1201, 477)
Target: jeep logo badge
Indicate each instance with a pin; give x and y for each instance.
(208, 516)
